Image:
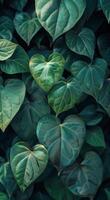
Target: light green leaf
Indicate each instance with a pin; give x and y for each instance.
(63, 140)
(17, 63)
(27, 164)
(26, 26)
(95, 137)
(57, 16)
(82, 43)
(57, 190)
(3, 196)
(64, 95)
(47, 72)
(85, 178)
(90, 75)
(105, 5)
(7, 179)
(12, 94)
(7, 49)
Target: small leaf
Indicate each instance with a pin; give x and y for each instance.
(57, 17)
(90, 76)
(11, 97)
(17, 63)
(105, 5)
(95, 137)
(63, 140)
(64, 95)
(47, 72)
(85, 178)
(26, 26)
(82, 43)
(27, 165)
(7, 49)
(18, 4)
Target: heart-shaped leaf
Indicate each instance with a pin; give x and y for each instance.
(90, 76)
(27, 164)
(64, 95)
(63, 140)
(82, 43)
(26, 26)
(17, 63)
(84, 179)
(47, 72)
(57, 16)
(7, 49)
(12, 94)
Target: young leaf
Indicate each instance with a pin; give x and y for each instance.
(82, 43)
(64, 95)
(57, 17)
(17, 63)
(84, 179)
(105, 5)
(11, 97)
(95, 137)
(57, 190)
(26, 26)
(7, 49)
(90, 76)
(63, 140)
(47, 72)
(27, 165)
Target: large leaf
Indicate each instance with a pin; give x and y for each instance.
(64, 95)
(84, 179)
(47, 72)
(90, 75)
(95, 137)
(82, 43)
(26, 26)
(63, 140)
(12, 94)
(27, 163)
(57, 16)
(17, 63)
(105, 5)
(7, 49)
(57, 190)
(7, 179)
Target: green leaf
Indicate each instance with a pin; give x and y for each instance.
(25, 122)
(7, 49)
(3, 196)
(107, 191)
(26, 26)
(27, 164)
(7, 179)
(63, 140)
(85, 178)
(5, 34)
(47, 72)
(17, 63)
(90, 75)
(95, 137)
(11, 97)
(82, 43)
(105, 5)
(6, 23)
(64, 95)
(57, 190)
(57, 17)
(18, 4)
